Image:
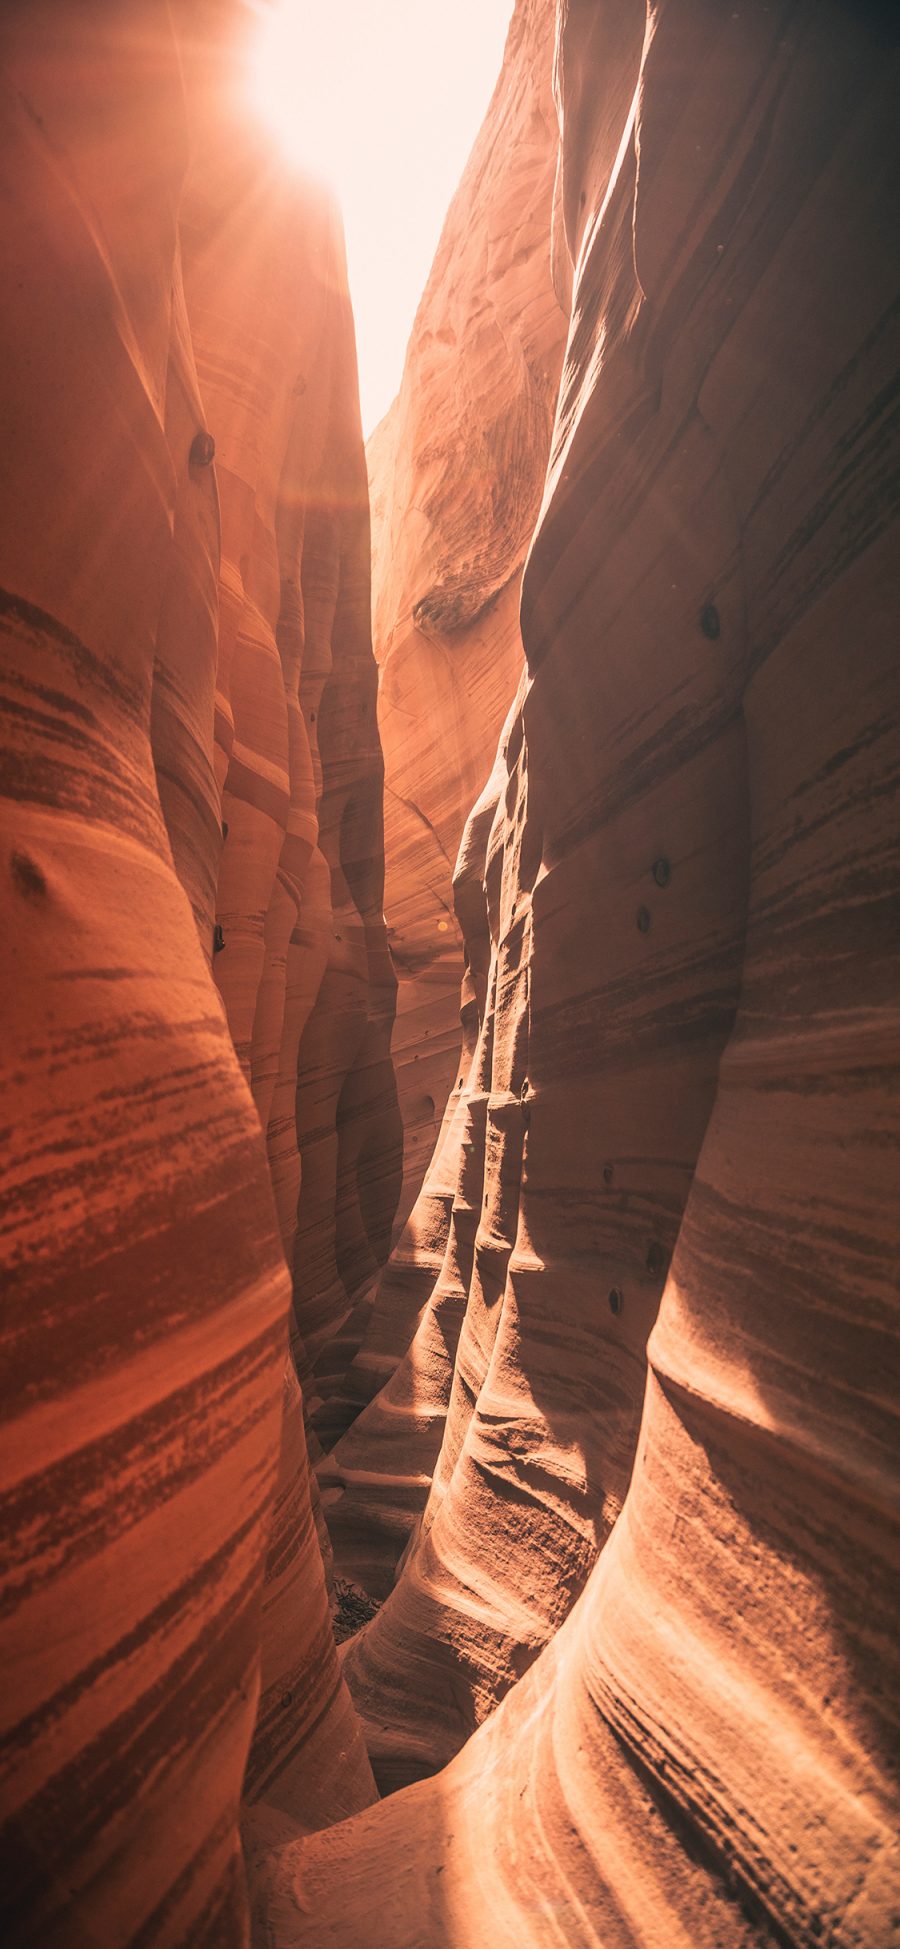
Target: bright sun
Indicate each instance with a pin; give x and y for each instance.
(383, 98)
(297, 89)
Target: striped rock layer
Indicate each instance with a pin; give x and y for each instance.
(456, 471)
(170, 293)
(375, 1482)
(302, 961)
(649, 1604)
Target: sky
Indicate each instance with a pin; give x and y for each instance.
(383, 98)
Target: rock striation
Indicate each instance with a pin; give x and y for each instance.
(185, 485)
(657, 1577)
(456, 471)
(266, 288)
(616, 1540)
(302, 960)
(376, 1481)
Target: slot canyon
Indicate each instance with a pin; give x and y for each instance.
(451, 1062)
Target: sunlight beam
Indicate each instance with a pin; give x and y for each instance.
(383, 99)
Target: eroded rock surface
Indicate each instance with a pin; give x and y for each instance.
(688, 1094)
(619, 1532)
(165, 1587)
(376, 1481)
(456, 472)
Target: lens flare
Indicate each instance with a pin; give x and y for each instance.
(382, 99)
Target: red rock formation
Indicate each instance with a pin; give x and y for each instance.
(691, 883)
(267, 295)
(146, 1291)
(184, 675)
(375, 1482)
(347, 1115)
(456, 471)
(654, 1577)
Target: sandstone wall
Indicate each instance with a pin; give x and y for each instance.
(456, 471)
(184, 472)
(376, 1480)
(686, 1113)
(638, 1459)
(302, 959)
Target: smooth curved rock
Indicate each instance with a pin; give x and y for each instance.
(376, 1480)
(456, 471)
(347, 1117)
(144, 1291)
(655, 1577)
(702, 887)
(266, 289)
(146, 1389)
(184, 673)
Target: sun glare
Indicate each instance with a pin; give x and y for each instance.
(295, 88)
(383, 99)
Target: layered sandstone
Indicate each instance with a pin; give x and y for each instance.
(376, 1481)
(160, 528)
(685, 1117)
(639, 1454)
(456, 472)
(266, 294)
(302, 958)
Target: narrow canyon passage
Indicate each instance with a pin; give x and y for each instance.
(451, 1210)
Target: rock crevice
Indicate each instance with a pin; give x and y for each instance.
(593, 1475)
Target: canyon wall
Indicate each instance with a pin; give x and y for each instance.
(376, 1481)
(623, 1517)
(650, 1596)
(185, 575)
(456, 471)
(302, 959)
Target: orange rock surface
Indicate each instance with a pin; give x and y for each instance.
(375, 1482)
(456, 472)
(619, 1529)
(157, 498)
(659, 1581)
